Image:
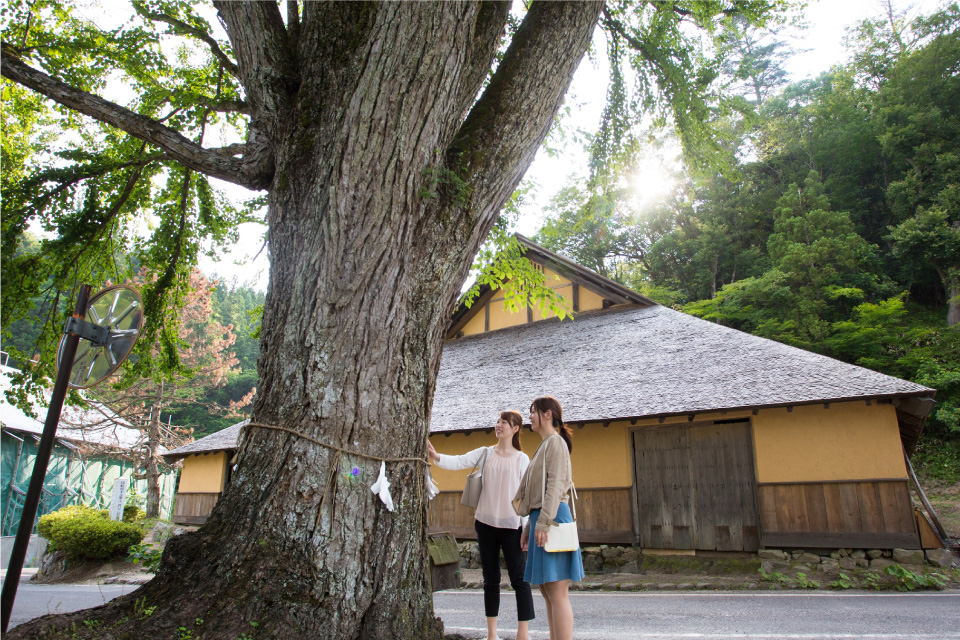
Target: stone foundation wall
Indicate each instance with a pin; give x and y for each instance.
(626, 559)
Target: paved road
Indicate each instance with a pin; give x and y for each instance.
(35, 600)
(781, 615)
(778, 615)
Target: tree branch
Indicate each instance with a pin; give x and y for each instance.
(250, 174)
(510, 120)
(268, 69)
(487, 30)
(227, 106)
(182, 28)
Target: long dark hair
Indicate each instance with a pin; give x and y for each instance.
(515, 420)
(549, 403)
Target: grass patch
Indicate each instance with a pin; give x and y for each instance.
(684, 565)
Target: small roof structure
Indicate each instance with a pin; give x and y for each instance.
(612, 291)
(637, 361)
(223, 440)
(101, 426)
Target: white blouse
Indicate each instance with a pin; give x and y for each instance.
(501, 479)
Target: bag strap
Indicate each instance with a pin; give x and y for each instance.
(482, 461)
(543, 485)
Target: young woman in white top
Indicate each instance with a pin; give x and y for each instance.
(497, 524)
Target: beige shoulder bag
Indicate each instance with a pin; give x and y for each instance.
(471, 491)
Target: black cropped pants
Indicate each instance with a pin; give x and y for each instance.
(490, 542)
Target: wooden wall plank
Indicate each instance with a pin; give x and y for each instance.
(816, 508)
(768, 509)
(833, 505)
(871, 511)
(908, 522)
(850, 503)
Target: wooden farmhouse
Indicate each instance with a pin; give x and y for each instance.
(687, 435)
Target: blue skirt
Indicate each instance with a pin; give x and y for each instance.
(550, 567)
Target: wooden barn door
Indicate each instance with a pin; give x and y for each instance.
(696, 487)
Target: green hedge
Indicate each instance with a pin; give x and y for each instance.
(88, 534)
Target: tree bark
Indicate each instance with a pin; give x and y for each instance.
(150, 462)
(386, 182)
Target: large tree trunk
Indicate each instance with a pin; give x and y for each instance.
(381, 196)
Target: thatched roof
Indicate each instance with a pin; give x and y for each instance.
(632, 361)
(223, 440)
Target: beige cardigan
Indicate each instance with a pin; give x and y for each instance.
(553, 455)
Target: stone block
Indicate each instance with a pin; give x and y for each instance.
(685, 586)
(880, 563)
(593, 550)
(809, 558)
(873, 554)
(836, 555)
(829, 565)
(942, 558)
(862, 562)
(592, 563)
(847, 564)
(611, 587)
(629, 586)
(630, 567)
(666, 586)
(611, 552)
(858, 553)
(703, 586)
(630, 555)
(908, 556)
(843, 552)
(771, 554)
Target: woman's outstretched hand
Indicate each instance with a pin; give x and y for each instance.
(432, 452)
(524, 542)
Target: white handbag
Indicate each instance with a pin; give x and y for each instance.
(562, 536)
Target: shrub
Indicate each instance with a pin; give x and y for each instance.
(133, 513)
(88, 534)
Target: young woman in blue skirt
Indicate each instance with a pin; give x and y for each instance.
(545, 494)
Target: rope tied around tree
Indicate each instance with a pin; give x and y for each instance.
(334, 447)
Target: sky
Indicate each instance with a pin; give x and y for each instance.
(823, 45)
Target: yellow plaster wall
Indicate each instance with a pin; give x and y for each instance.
(501, 317)
(590, 300)
(203, 473)
(847, 441)
(476, 323)
(601, 456)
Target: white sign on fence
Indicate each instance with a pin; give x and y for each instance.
(119, 499)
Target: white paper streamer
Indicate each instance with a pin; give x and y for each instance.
(382, 487)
